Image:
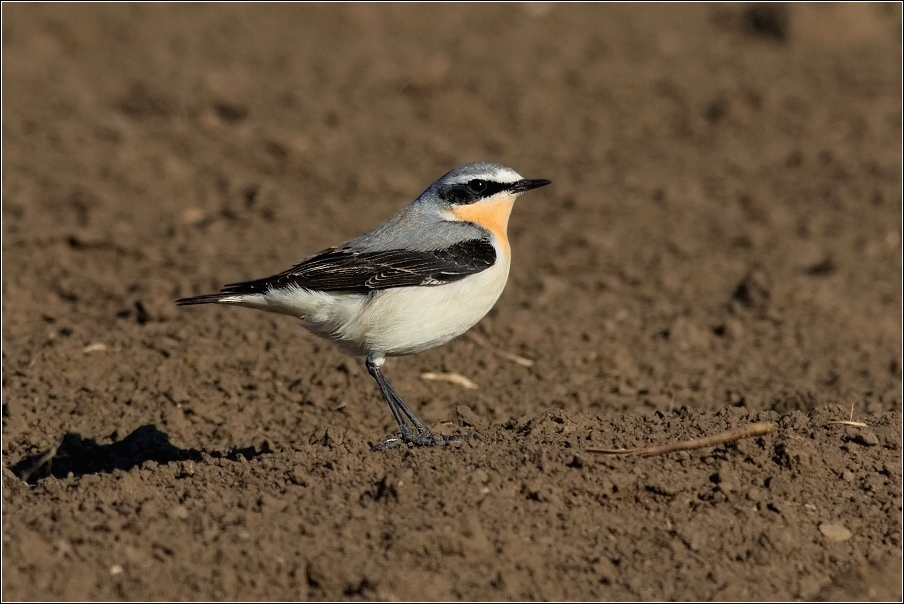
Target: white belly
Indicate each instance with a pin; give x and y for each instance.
(396, 321)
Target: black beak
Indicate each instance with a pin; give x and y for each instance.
(527, 184)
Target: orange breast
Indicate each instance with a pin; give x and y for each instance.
(492, 214)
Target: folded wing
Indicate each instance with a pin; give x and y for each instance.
(347, 270)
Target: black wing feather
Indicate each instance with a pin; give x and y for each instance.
(347, 270)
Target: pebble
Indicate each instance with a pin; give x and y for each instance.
(867, 438)
(179, 512)
(755, 494)
(835, 532)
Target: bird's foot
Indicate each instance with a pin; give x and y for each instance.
(424, 438)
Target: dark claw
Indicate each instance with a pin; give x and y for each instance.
(386, 445)
(424, 439)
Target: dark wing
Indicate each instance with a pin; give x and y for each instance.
(346, 270)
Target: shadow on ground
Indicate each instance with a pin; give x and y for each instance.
(79, 456)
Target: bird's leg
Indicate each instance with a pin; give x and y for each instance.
(400, 411)
(421, 435)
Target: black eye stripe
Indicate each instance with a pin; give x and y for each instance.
(470, 192)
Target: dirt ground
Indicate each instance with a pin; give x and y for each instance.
(721, 245)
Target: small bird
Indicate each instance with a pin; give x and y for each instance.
(421, 278)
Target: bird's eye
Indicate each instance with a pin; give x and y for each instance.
(477, 186)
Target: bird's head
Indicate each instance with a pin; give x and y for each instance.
(481, 193)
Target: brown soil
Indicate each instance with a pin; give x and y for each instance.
(721, 245)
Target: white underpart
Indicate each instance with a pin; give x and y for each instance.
(396, 321)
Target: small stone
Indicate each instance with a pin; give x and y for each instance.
(835, 532)
(299, 475)
(192, 216)
(726, 479)
(867, 438)
(755, 494)
(480, 477)
(179, 512)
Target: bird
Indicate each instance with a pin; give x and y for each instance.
(417, 280)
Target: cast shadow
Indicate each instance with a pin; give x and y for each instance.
(80, 456)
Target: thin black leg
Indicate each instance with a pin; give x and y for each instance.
(421, 435)
(399, 411)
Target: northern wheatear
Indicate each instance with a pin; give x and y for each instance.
(422, 277)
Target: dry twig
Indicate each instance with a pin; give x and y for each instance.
(848, 422)
(454, 378)
(690, 445)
